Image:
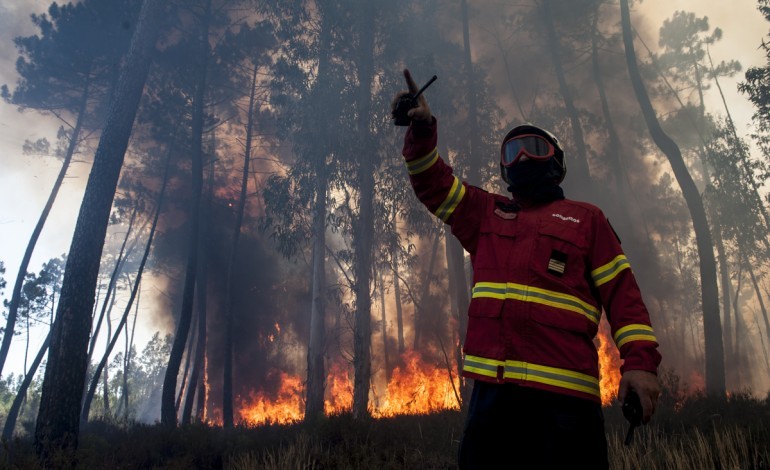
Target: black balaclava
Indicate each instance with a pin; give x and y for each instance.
(535, 182)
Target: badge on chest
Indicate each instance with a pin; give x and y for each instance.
(558, 263)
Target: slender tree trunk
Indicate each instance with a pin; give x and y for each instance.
(202, 294)
(383, 321)
(316, 353)
(474, 143)
(129, 356)
(460, 292)
(734, 357)
(712, 329)
(114, 339)
(364, 230)
(616, 145)
(106, 389)
(183, 385)
(58, 419)
(316, 369)
(21, 394)
(425, 292)
(578, 169)
(399, 306)
(13, 306)
(168, 414)
(109, 296)
(762, 307)
(227, 389)
(724, 273)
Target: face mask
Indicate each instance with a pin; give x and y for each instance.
(535, 181)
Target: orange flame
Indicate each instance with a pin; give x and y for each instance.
(609, 364)
(417, 387)
(286, 407)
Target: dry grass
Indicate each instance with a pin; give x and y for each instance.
(687, 433)
(730, 447)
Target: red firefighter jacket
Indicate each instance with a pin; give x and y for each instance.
(541, 277)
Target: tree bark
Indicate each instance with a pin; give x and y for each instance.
(384, 323)
(21, 394)
(135, 289)
(579, 165)
(58, 418)
(712, 328)
(227, 403)
(13, 306)
(364, 230)
(168, 415)
(474, 143)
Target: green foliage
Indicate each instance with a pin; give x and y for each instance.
(757, 89)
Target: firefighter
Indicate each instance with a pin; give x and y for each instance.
(544, 268)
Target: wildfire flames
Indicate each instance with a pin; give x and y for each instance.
(415, 387)
(609, 364)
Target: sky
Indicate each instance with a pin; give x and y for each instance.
(25, 181)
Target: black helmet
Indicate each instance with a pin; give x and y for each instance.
(531, 142)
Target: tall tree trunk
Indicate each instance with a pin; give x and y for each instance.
(109, 296)
(129, 355)
(168, 415)
(616, 144)
(474, 143)
(734, 358)
(227, 389)
(135, 289)
(384, 323)
(58, 419)
(394, 252)
(21, 394)
(458, 285)
(183, 384)
(724, 274)
(425, 291)
(364, 229)
(759, 299)
(316, 351)
(202, 295)
(712, 329)
(578, 169)
(194, 388)
(316, 369)
(13, 306)
(106, 389)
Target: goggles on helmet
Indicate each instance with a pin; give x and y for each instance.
(526, 146)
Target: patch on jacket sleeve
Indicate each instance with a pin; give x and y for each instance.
(557, 263)
(505, 215)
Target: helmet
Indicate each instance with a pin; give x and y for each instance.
(528, 142)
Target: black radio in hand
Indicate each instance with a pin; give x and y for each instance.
(407, 102)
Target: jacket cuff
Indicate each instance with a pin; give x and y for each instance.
(421, 138)
(645, 358)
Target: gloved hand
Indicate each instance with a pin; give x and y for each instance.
(422, 111)
(646, 385)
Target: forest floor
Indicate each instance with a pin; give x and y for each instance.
(691, 432)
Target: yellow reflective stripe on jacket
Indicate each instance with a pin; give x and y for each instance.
(423, 163)
(536, 295)
(519, 370)
(454, 197)
(634, 332)
(609, 271)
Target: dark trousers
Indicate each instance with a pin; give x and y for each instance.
(509, 426)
